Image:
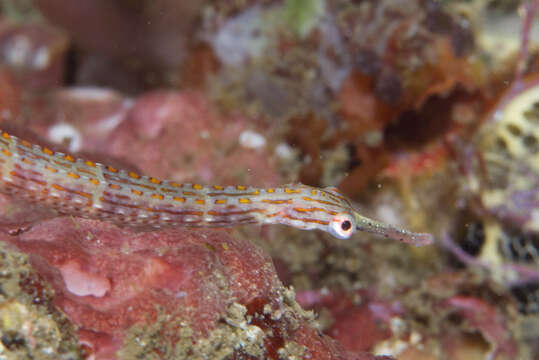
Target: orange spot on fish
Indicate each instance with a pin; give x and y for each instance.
(147, 187)
(200, 201)
(314, 209)
(82, 170)
(47, 151)
(240, 187)
(307, 220)
(220, 201)
(136, 192)
(291, 191)
(197, 187)
(168, 190)
(288, 201)
(58, 187)
(73, 175)
(69, 158)
(244, 201)
(133, 175)
(306, 198)
(85, 194)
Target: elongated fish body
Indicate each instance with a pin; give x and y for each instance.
(87, 189)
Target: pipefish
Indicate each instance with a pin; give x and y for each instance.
(87, 189)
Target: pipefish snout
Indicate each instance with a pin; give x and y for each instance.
(87, 189)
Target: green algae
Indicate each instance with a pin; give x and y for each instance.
(302, 16)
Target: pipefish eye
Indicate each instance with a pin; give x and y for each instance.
(342, 226)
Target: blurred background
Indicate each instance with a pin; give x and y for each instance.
(424, 112)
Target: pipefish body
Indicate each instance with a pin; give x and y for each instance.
(87, 189)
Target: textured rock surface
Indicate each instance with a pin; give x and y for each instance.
(30, 328)
(169, 293)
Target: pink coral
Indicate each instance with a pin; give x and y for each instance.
(166, 134)
(177, 135)
(109, 280)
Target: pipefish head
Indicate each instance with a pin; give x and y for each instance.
(324, 209)
(305, 207)
(346, 221)
(341, 220)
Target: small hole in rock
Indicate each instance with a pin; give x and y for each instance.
(501, 143)
(514, 129)
(530, 142)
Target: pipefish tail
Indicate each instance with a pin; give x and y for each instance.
(83, 188)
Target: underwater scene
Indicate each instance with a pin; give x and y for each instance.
(269, 179)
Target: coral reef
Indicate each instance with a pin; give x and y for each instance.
(424, 112)
(175, 293)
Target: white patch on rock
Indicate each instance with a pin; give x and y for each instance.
(252, 140)
(18, 50)
(91, 93)
(42, 58)
(284, 151)
(62, 133)
(82, 283)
